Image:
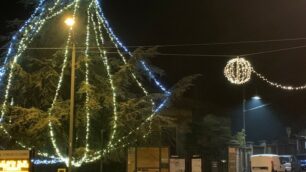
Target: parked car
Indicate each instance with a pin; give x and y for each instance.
(291, 163)
(266, 163)
(302, 160)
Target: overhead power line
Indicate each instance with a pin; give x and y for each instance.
(183, 54)
(274, 51)
(224, 43)
(190, 45)
(221, 55)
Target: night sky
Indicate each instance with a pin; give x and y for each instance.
(159, 22)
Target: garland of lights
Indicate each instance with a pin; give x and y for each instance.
(51, 130)
(103, 55)
(104, 58)
(25, 36)
(87, 84)
(238, 71)
(101, 23)
(120, 46)
(27, 32)
(278, 85)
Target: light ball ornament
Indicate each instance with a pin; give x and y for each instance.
(238, 70)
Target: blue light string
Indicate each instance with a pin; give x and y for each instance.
(146, 68)
(46, 161)
(14, 37)
(163, 103)
(39, 10)
(143, 63)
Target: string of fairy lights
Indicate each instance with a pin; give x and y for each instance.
(87, 84)
(22, 46)
(103, 55)
(104, 23)
(120, 46)
(51, 129)
(28, 32)
(238, 71)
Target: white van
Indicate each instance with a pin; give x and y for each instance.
(266, 163)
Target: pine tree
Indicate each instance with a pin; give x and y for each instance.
(116, 90)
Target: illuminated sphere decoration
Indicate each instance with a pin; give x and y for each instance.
(238, 71)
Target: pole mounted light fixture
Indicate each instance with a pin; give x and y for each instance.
(256, 97)
(70, 21)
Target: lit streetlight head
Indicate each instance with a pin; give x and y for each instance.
(256, 97)
(69, 22)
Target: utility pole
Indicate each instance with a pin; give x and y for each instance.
(70, 22)
(102, 142)
(176, 140)
(244, 130)
(243, 116)
(71, 119)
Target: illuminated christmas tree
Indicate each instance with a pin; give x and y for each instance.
(116, 90)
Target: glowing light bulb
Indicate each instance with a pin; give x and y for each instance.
(70, 21)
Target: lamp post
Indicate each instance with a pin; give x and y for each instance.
(245, 164)
(102, 142)
(243, 116)
(70, 22)
(244, 110)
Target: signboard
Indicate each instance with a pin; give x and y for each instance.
(14, 161)
(148, 159)
(177, 165)
(232, 159)
(131, 164)
(196, 165)
(14, 154)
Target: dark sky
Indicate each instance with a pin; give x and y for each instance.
(203, 21)
(158, 22)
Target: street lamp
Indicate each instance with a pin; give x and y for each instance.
(256, 97)
(244, 110)
(70, 22)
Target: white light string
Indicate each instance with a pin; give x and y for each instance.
(28, 35)
(21, 30)
(104, 58)
(50, 110)
(27, 38)
(33, 29)
(119, 45)
(278, 85)
(38, 23)
(101, 23)
(146, 93)
(51, 130)
(87, 110)
(125, 62)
